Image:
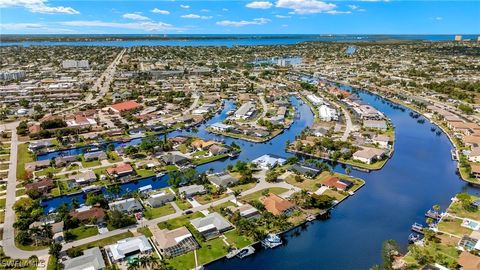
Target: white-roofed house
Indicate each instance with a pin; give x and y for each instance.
(128, 247)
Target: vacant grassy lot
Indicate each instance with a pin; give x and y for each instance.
(152, 213)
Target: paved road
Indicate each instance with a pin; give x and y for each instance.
(349, 124)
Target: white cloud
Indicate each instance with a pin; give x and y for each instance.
(257, 21)
(38, 6)
(224, 9)
(306, 6)
(196, 16)
(438, 18)
(259, 5)
(374, 0)
(336, 12)
(135, 16)
(353, 7)
(21, 26)
(284, 25)
(204, 10)
(185, 6)
(160, 11)
(146, 26)
(282, 16)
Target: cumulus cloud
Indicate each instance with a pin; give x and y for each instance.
(282, 16)
(185, 6)
(21, 26)
(38, 6)
(135, 16)
(146, 26)
(306, 6)
(196, 16)
(259, 5)
(160, 11)
(257, 21)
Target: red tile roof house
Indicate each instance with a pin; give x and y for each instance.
(124, 106)
(278, 205)
(120, 170)
(335, 182)
(93, 213)
(42, 185)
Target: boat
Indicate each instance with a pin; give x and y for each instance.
(159, 175)
(271, 241)
(433, 214)
(246, 251)
(433, 129)
(414, 237)
(311, 217)
(416, 227)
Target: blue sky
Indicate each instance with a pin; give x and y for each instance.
(239, 17)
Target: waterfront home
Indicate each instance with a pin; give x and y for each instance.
(211, 225)
(159, 199)
(37, 145)
(319, 132)
(221, 127)
(471, 141)
(129, 247)
(468, 243)
(177, 140)
(172, 243)
(278, 205)
(474, 155)
(97, 155)
(218, 150)
(468, 261)
(382, 140)
(245, 210)
(83, 178)
(368, 155)
(64, 161)
(269, 161)
(92, 259)
(55, 227)
(475, 170)
(327, 113)
(174, 159)
(120, 170)
(245, 111)
(124, 107)
(375, 124)
(147, 163)
(37, 165)
(192, 190)
(337, 183)
(88, 213)
(305, 169)
(42, 186)
(129, 206)
(202, 145)
(315, 100)
(223, 179)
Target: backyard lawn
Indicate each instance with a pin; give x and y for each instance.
(83, 232)
(104, 242)
(179, 222)
(258, 194)
(237, 240)
(23, 157)
(152, 213)
(453, 226)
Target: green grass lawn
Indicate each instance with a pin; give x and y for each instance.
(183, 204)
(114, 157)
(183, 262)
(152, 213)
(3, 166)
(48, 170)
(208, 198)
(83, 232)
(200, 153)
(145, 231)
(23, 157)
(145, 173)
(104, 242)
(204, 160)
(52, 263)
(92, 163)
(256, 195)
(20, 192)
(179, 222)
(2, 203)
(211, 250)
(457, 209)
(453, 226)
(243, 187)
(238, 240)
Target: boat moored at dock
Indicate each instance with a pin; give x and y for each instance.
(272, 241)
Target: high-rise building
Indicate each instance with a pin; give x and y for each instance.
(12, 75)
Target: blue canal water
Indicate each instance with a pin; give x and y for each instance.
(231, 40)
(419, 175)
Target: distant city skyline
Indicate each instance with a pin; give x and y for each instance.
(239, 17)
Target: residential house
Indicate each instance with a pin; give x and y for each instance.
(211, 225)
(124, 106)
(88, 213)
(128, 247)
(202, 145)
(121, 170)
(223, 179)
(368, 155)
(97, 155)
(174, 159)
(42, 186)
(278, 205)
(468, 261)
(37, 165)
(218, 150)
(172, 243)
(340, 184)
(64, 161)
(382, 140)
(245, 111)
(81, 179)
(192, 190)
(221, 127)
(474, 155)
(305, 169)
(92, 259)
(159, 199)
(375, 124)
(37, 145)
(245, 210)
(130, 205)
(269, 161)
(475, 170)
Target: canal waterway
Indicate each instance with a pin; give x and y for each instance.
(419, 175)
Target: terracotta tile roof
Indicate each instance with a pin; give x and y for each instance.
(122, 168)
(276, 204)
(125, 106)
(94, 212)
(469, 261)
